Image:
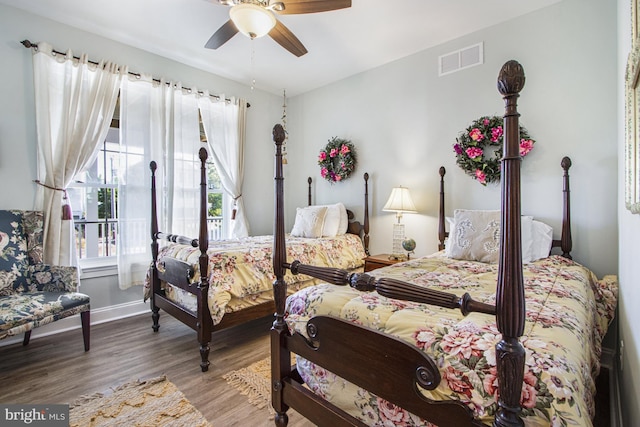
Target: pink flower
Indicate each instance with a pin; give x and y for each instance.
(496, 133)
(343, 166)
(457, 149)
(485, 122)
(344, 149)
(322, 157)
(529, 395)
(457, 381)
(490, 382)
(476, 134)
(462, 343)
(324, 172)
(481, 176)
(334, 152)
(424, 338)
(337, 178)
(474, 152)
(526, 145)
(393, 413)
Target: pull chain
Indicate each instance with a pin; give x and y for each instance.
(253, 60)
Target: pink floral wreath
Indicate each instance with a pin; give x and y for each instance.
(479, 148)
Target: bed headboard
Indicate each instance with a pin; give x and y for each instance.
(355, 227)
(564, 243)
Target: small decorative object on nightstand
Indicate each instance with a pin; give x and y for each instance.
(378, 261)
(409, 245)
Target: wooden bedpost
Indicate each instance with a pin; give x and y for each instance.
(566, 242)
(510, 303)
(155, 281)
(280, 358)
(365, 226)
(204, 327)
(442, 230)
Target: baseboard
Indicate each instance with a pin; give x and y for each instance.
(609, 361)
(98, 315)
(614, 396)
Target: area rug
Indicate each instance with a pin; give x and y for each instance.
(254, 382)
(151, 403)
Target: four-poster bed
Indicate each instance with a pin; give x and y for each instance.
(375, 358)
(236, 284)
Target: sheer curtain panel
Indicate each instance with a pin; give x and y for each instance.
(159, 121)
(74, 102)
(224, 125)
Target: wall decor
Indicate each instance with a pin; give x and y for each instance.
(632, 98)
(337, 160)
(479, 148)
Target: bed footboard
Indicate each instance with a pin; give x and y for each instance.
(395, 372)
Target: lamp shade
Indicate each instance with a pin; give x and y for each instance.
(400, 201)
(252, 20)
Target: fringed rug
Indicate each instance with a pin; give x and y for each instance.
(153, 403)
(254, 382)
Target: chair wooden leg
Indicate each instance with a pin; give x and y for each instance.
(85, 317)
(27, 337)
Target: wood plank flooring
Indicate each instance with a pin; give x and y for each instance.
(55, 369)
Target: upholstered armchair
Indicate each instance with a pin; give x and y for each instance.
(34, 294)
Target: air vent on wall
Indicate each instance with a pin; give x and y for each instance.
(460, 59)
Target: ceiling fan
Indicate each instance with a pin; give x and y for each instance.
(256, 18)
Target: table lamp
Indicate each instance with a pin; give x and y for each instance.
(399, 202)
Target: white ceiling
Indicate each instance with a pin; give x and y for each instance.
(341, 43)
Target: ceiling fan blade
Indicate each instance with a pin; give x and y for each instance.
(285, 38)
(222, 36)
(312, 6)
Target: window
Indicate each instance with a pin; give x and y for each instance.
(94, 199)
(93, 196)
(217, 204)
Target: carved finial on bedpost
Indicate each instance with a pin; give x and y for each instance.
(309, 181)
(280, 358)
(442, 232)
(510, 304)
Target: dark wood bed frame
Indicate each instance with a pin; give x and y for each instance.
(362, 356)
(181, 274)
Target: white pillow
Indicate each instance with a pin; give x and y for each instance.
(542, 240)
(333, 220)
(526, 230)
(475, 236)
(526, 235)
(344, 220)
(309, 221)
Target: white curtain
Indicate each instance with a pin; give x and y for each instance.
(224, 125)
(159, 122)
(75, 101)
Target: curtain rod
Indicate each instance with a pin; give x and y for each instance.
(27, 43)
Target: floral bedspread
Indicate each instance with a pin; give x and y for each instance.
(243, 268)
(568, 311)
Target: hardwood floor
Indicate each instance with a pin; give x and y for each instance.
(55, 369)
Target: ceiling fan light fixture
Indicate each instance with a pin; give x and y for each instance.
(252, 20)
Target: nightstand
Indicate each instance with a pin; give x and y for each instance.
(378, 261)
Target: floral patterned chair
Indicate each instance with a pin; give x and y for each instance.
(34, 294)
